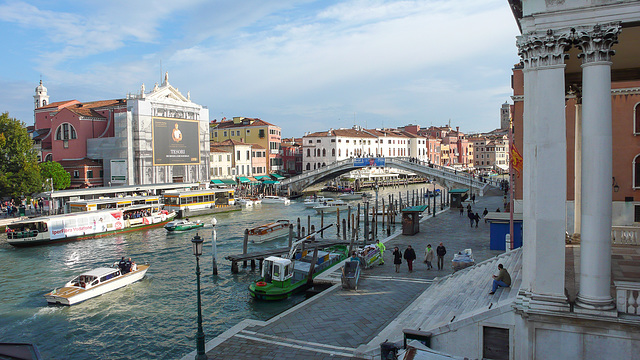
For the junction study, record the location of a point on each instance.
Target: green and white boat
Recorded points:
(183, 225)
(282, 277)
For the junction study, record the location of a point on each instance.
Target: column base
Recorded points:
(527, 301)
(602, 307)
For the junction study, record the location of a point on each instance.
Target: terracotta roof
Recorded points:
(214, 148)
(256, 146)
(59, 104)
(229, 142)
(341, 132)
(245, 123)
(81, 110)
(81, 162)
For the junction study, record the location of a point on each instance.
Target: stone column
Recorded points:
(577, 168)
(597, 154)
(545, 165)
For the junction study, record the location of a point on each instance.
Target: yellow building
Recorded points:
(251, 131)
(445, 152)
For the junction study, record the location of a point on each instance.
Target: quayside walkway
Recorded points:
(351, 324)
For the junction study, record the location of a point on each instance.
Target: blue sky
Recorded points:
(302, 65)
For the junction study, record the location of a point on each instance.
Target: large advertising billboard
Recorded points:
(176, 141)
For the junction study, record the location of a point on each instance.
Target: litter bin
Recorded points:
(411, 219)
(22, 211)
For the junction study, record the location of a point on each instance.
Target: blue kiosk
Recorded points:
(499, 228)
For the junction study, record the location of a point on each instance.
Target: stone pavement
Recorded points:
(346, 324)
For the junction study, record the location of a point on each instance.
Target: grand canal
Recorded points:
(154, 318)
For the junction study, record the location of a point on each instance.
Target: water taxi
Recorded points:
(84, 225)
(311, 202)
(246, 202)
(331, 206)
(269, 199)
(269, 231)
(282, 277)
(183, 225)
(93, 283)
(353, 196)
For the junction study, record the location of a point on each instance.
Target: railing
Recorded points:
(627, 293)
(625, 235)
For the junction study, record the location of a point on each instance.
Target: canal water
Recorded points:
(156, 317)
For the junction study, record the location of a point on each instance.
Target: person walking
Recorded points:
(382, 248)
(484, 214)
(502, 280)
(461, 210)
(441, 251)
(410, 255)
(428, 257)
(471, 217)
(397, 258)
(476, 217)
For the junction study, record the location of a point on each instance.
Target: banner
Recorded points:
(176, 142)
(516, 159)
(361, 162)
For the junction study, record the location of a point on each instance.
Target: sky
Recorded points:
(302, 65)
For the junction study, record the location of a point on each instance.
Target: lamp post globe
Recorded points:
(197, 251)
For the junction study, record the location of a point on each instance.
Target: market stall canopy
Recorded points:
(243, 180)
(277, 177)
(271, 182)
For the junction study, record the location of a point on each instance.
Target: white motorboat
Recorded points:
(256, 200)
(312, 202)
(269, 231)
(93, 283)
(332, 206)
(246, 202)
(353, 196)
(269, 199)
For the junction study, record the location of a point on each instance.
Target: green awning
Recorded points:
(458, 191)
(243, 180)
(255, 183)
(228, 181)
(419, 208)
(262, 177)
(217, 182)
(271, 182)
(277, 177)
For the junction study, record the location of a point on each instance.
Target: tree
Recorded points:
(53, 170)
(19, 171)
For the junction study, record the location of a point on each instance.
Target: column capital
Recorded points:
(596, 41)
(539, 49)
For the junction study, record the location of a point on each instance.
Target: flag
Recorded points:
(516, 159)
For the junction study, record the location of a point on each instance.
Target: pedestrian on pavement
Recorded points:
(397, 258)
(502, 280)
(484, 214)
(461, 210)
(382, 248)
(473, 198)
(410, 255)
(441, 251)
(428, 257)
(472, 218)
(476, 217)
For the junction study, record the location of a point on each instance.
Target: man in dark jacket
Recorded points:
(472, 217)
(121, 265)
(410, 255)
(441, 252)
(502, 280)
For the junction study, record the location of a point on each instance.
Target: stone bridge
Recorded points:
(448, 178)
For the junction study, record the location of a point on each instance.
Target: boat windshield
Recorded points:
(267, 270)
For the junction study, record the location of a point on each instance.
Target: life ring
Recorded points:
(261, 283)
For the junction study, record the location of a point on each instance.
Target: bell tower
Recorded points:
(41, 98)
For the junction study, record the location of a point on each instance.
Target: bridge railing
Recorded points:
(313, 172)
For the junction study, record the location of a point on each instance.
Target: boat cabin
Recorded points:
(94, 278)
(276, 269)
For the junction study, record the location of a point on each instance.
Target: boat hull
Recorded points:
(27, 242)
(183, 227)
(330, 209)
(271, 236)
(72, 295)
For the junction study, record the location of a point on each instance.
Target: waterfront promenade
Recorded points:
(351, 324)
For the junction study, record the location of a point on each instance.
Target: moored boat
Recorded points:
(312, 202)
(246, 202)
(82, 225)
(332, 206)
(269, 199)
(183, 225)
(282, 277)
(353, 196)
(269, 231)
(93, 283)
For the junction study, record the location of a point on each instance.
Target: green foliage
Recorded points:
(53, 170)
(19, 171)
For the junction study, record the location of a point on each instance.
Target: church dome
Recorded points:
(41, 89)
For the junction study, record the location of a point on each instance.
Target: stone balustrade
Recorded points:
(627, 293)
(625, 235)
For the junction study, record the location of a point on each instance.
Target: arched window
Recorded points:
(66, 131)
(308, 166)
(333, 152)
(636, 171)
(318, 165)
(636, 119)
(339, 152)
(308, 152)
(323, 164)
(44, 102)
(324, 152)
(49, 157)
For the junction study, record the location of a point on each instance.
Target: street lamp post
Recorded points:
(214, 249)
(197, 251)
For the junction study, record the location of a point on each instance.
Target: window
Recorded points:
(49, 157)
(308, 152)
(248, 156)
(324, 152)
(636, 171)
(228, 157)
(248, 131)
(261, 133)
(66, 131)
(309, 166)
(333, 140)
(76, 174)
(215, 134)
(101, 173)
(224, 134)
(238, 155)
(318, 140)
(333, 152)
(89, 174)
(636, 215)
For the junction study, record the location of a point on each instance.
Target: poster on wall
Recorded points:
(176, 141)
(118, 171)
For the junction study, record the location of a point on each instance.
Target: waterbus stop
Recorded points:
(457, 196)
